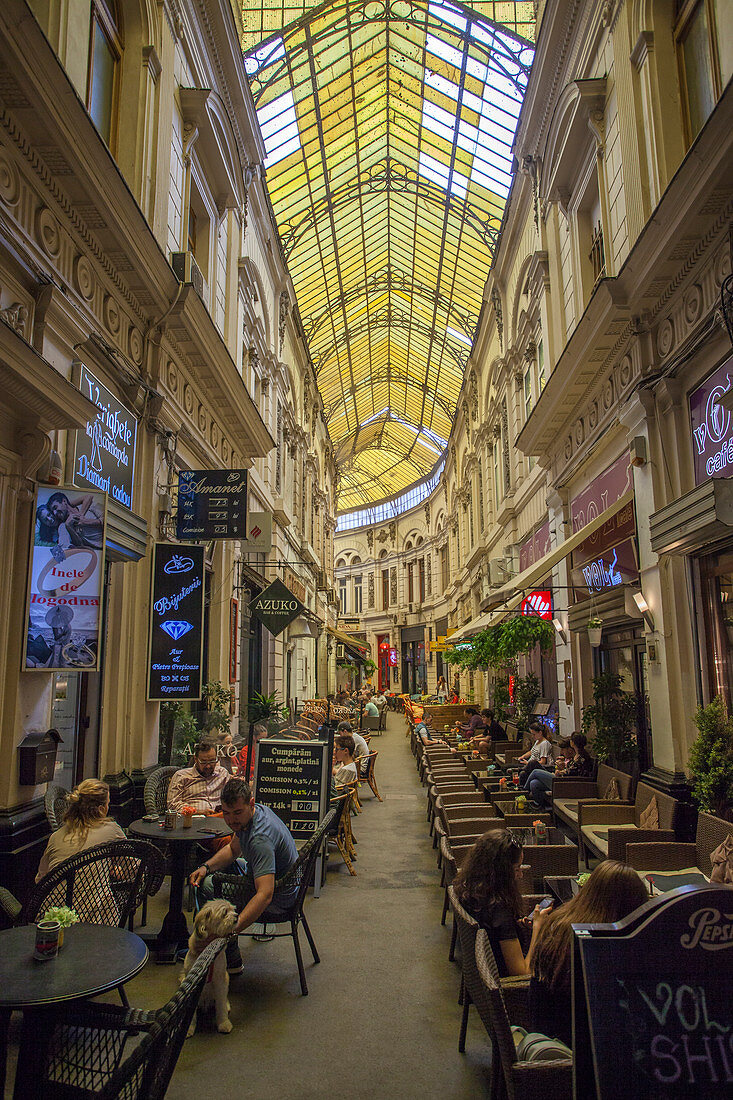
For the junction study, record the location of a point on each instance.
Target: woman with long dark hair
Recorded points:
(487, 886)
(612, 892)
(579, 766)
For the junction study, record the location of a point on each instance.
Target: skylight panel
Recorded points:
(260, 59)
(448, 14)
(459, 335)
(279, 126)
(432, 169)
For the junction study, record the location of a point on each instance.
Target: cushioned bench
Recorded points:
(566, 793)
(656, 856)
(605, 828)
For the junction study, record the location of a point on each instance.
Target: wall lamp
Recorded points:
(560, 630)
(638, 598)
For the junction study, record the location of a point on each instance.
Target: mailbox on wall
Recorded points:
(37, 757)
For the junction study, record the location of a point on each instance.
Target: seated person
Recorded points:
(574, 761)
(201, 785)
(381, 702)
(259, 732)
(370, 707)
(474, 723)
(344, 768)
(612, 892)
(85, 826)
(487, 886)
(539, 755)
(491, 731)
(494, 729)
(425, 734)
(264, 850)
(362, 749)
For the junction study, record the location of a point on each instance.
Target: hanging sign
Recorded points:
(292, 778)
(538, 603)
(66, 580)
(393, 656)
(711, 427)
(233, 634)
(176, 622)
(259, 533)
(276, 607)
(212, 504)
(104, 453)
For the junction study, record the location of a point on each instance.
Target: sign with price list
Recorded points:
(292, 777)
(212, 504)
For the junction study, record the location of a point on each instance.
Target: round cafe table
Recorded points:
(174, 930)
(94, 959)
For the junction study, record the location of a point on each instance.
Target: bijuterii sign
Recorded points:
(66, 580)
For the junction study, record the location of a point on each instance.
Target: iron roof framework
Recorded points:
(388, 129)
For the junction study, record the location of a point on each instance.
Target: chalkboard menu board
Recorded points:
(291, 777)
(212, 504)
(652, 1003)
(176, 622)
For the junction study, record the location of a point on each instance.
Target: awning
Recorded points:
(511, 594)
(480, 622)
(362, 649)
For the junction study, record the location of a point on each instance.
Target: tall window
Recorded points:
(497, 471)
(541, 379)
(705, 55)
(105, 53)
(481, 517)
(421, 579)
(357, 594)
(385, 589)
(528, 391)
(410, 581)
(342, 596)
(444, 567)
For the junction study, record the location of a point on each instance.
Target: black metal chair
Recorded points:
(112, 1053)
(237, 890)
(55, 801)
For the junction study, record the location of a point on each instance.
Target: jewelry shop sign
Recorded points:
(66, 580)
(104, 453)
(212, 504)
(176, 622)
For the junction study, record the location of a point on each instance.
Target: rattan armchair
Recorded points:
(235, 889)
(521, 1080)
(671, 856)
(369, 777)
(55, 801)
(155, 792)
(111, 1053)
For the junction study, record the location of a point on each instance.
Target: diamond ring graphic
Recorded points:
(176, 628)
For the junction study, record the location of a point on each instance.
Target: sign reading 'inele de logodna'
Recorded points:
(276, 607)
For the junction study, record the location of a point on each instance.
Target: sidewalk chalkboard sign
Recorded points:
(176, 622)
(212, 504)
(291, 777)
(652, 1005)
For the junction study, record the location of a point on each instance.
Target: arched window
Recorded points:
(103, 73)
(340, 563)
(382, 554)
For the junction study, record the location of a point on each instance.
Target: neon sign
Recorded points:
(598, 575)
(393, 657)
(711, 428)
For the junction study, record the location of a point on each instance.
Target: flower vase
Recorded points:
(186, 821)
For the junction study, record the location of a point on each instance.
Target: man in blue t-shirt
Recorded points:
(264, 849)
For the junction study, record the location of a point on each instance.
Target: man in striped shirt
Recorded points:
(201, 785)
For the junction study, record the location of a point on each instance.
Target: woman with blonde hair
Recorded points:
(612, 892)
(85, 825)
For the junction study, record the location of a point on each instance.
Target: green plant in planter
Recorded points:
(499, 646)
(711, 760)
(267, 708)
(369, 667)
(610, 721)
(501, 700)
(595, 624)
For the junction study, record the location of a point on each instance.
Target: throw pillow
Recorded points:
(613, 794)
(532, 1046)
(722, 862)
(649, 818)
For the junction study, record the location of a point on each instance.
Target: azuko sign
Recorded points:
(276, 607)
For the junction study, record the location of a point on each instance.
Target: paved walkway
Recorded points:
(382, 1016)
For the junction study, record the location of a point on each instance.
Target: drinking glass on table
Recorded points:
(515, 779)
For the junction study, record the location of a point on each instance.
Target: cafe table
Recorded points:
(94, 959)
(174, 932)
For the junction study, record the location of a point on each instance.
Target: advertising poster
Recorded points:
(66, 580)
(176, 622)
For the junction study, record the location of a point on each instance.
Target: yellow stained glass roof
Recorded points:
(388, 131)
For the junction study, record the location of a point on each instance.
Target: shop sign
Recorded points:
(710, 425)
(393, 656)
(233, 632)
(104, 453)
(535, 547)
(212, 504)
(66, 580)
(296, 586)
(276, 607)
(176, 622)
(605, 490)
(612, 567)
(259, 534)
(292, 778)
(538, 603)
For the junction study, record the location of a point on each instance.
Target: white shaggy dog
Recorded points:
(215, 919)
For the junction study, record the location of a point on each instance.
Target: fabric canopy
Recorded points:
(361, 648)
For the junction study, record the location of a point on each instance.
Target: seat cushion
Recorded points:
(722, 862)
(567, 809)
(597, 836)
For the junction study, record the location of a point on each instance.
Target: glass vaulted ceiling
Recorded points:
(388, 131)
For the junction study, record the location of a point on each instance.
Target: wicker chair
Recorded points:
(55, 801)
(111, 1053)
(237, 890)
(521, 1080)
(671, 856)
(342, 833)
(155, 792)
(368, 776)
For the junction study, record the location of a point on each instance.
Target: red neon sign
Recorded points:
(538, 603)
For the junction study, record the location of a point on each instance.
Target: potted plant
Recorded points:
(711, 760)
(269, 709)
(65, 917)
(595, 628)
(610, 721)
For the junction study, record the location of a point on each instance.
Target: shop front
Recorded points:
(414, 666)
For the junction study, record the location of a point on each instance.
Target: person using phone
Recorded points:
(487, 886)
(612, 892)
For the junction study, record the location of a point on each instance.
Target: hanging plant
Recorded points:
(499, 646)
(595, 629)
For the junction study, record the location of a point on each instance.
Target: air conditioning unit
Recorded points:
(187, 271)
(321, 580)
(498, 572)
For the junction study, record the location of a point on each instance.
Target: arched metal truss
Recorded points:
(388, 126)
